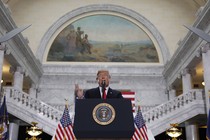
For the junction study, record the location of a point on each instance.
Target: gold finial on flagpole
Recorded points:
(139, 108)
(137, 102)
(137, 105)
(66, 102)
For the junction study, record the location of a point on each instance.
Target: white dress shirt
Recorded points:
(107, 88)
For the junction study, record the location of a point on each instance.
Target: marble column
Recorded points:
(13, 131)
(18, 78)
(32, 91)
(206, 71)
(2, 49)
(192, 132)
(186, 80)
(172, 93)
(187, 86)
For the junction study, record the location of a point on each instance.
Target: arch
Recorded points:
(104, 8)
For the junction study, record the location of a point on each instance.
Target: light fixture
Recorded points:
(203, 83)
(33, 131)
(2, 81)
(174, 132)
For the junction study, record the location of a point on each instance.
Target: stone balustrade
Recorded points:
(38, 106)
(29, 109)
(172, 105)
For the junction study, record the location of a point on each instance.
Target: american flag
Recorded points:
(140, 127)
(64, 130)
(4, 121)
(208, 128)
(131, 96)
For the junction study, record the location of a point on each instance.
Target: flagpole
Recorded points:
(66, 103)
(138, 107)
(1, 96)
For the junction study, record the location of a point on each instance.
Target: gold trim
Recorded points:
(106, 107)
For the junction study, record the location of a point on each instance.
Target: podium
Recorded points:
(103, 119)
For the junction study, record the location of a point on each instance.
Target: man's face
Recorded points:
(103, 76)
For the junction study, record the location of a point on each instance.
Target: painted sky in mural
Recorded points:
(102, 38)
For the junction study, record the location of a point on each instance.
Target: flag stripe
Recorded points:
(144, 133)
(137, 134)
(67, 136)
(71, 132)
(68, 133)
(58, 136)
(58, 133)
(132, 99)
(128, 93)
(61, 130)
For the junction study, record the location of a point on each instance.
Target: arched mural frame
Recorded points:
(103, 8)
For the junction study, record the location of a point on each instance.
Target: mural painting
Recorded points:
(103, 38)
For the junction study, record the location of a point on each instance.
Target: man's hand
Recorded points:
(79, 92)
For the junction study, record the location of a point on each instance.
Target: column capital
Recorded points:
(170, 87)
(20, 69)
(12, 69)
(185, 71)
(16, 69)
(205, 48)
(2, 47)
(179, 75)
(199, 52)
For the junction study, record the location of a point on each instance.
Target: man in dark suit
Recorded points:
(103, 90)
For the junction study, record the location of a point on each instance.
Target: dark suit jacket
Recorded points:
(95, 93)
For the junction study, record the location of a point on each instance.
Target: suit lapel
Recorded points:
(109, 93)
(98, 93)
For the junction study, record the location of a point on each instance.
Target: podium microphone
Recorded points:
(103, 85)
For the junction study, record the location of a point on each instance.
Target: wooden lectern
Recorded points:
(103, 119)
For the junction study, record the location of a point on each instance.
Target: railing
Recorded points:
(38, 106)
(172, 105)
(145, 108)
(62, 106)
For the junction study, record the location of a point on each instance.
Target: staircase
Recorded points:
(158, 119)
(177, 110)
(28, 109)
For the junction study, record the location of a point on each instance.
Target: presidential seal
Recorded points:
(104, 114)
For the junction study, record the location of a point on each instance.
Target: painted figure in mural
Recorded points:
(71, 38)
(79, 34)
(103, 79)
(86, 46)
